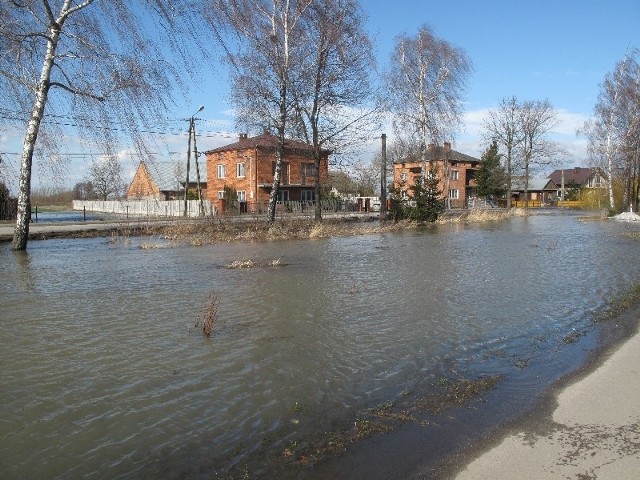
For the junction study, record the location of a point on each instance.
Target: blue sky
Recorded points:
(538, 49)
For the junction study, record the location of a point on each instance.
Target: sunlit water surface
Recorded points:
(103, 374)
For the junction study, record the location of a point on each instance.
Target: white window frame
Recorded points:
(403, 177)
(221, 170)
(241, 196)
(454, 194)
(283, 195)
(240, 170)
(220, 194)
(454, 174)
(308, 195)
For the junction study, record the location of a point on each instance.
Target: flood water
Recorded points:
(103, 374)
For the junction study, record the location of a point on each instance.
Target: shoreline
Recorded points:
(240, 228)
(585, 425)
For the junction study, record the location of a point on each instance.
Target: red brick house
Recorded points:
(248, 165)
(456, 172)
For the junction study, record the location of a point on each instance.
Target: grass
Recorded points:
(209, 316)
(620, 304)
(387, 417)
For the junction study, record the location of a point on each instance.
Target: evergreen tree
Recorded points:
(491, 178)
(428, 198)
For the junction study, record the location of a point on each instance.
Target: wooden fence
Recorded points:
(146, 208)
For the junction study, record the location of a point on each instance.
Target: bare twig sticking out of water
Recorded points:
(210, 315)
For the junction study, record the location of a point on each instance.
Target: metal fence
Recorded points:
(146, 208)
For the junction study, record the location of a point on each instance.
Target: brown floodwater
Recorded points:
(320, 367)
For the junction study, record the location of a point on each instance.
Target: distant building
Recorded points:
(248, 165)
(458, 185)
(578, 178)
(163, 181)
(540, 191)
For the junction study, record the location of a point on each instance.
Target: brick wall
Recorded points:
(251, 171)
(142, 185)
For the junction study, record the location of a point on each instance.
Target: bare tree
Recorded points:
(97, 65)
(106, 177)
(614, 132)
(331, 85)
(268, 35)
(536, 119)
(425, 84)
(502, 125)
(521, 130)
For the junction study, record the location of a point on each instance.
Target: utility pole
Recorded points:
(191, 135)
(383, 178)
(195, 154)
(186, 182)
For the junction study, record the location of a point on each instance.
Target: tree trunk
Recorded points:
(21, 233)
(275, 186)
(318, 207)
(509, 175)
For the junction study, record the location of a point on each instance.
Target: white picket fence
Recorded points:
(146, 208)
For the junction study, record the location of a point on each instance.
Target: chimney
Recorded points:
(243, 136)
(432, 146)
(447, 146)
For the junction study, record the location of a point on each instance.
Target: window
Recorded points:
(307, 195)
(594, 182)
(283, 195)
(403, 177)
(240, 170)
(242, 196)
(284, 173)
(221, 171)
(454, 194)
(308, 170)
(453, 175)
(220, 194)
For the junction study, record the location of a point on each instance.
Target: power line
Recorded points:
(8, 115)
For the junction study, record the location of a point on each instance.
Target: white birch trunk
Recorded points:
(21, 233)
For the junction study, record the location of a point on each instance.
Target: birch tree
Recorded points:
(536, 119)
(105, 67)
(331, 87)
(425, 83)
(502, 126)
(268, 36)
(614, 132)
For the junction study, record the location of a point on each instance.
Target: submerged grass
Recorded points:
(620, 304)
(209, 316)
(388, 417)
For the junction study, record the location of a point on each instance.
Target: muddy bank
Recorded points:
(231, 229)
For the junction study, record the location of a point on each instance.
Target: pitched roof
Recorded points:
(534, 184)
(577, 175)
(266, 140)
(170, 176)
(435, 153)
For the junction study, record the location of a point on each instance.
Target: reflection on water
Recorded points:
(104, 375)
